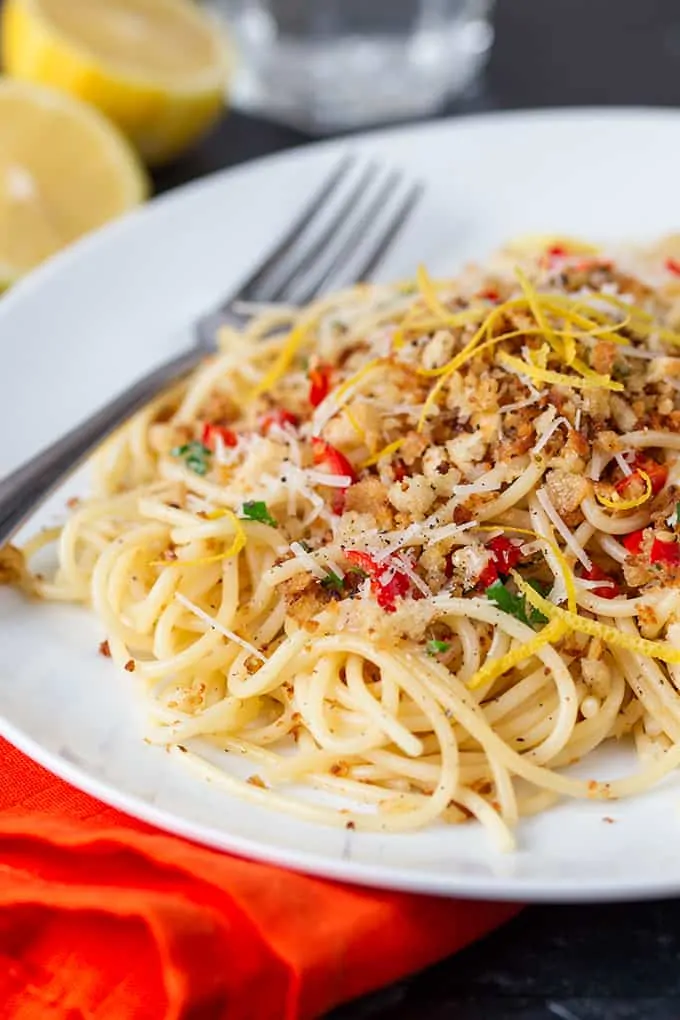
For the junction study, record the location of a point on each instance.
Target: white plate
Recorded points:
(89, 322)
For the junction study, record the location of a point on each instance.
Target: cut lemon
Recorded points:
(157, 68)
(64, 170)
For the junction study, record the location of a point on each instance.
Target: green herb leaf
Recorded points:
(535, 615)
(195, 455)
(677, 513)
(256, 510)
(515, 605)
(334, 581)
(197, 465)
(358, 571)
(435, 647)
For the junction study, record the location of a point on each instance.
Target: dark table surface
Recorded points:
(617, 962)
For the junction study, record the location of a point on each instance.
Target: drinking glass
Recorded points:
(325, 65)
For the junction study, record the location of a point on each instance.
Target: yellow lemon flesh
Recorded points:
(155, 67)
(64, 170)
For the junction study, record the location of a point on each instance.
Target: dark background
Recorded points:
(552, 963)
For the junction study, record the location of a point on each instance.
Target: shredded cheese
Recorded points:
(548, 434)
(300, 553)
(326, 478)
(623, 464)
(216, 625)
(568, 538)
(415, 579)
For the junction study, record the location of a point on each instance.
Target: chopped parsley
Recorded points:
(435, 647)
(256, 510)
(515, 605)
(195, 455)
(677, 513)
(334, 582)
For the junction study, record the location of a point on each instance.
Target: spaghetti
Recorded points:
(417, 546)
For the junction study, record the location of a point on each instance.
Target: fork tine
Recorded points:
(330, 231)
(246, 290)
(359, 231)
(391, 232)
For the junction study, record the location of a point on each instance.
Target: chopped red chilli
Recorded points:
(665, 553)
(633, 543)
(212, 432)
(277, 417)
(319, 384)
(609, 589)
(673, 266)
(335, 463)
(505, 554)
(387, 584)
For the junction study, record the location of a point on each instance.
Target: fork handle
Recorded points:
(30, 484)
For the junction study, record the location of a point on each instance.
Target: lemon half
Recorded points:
(64, 170)
(157, 68)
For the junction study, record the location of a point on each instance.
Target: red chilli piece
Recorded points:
(319, 384)
(386, 592)
(212, 432)
(658, 475)
(632, 543)
(504, 556)
(673, 266)
(666, 553)
(505, 553)
(609, 590)
(399, 469)
(489, 295)
(278, 417)
(585, 265)
(488, 576)
(336, 463)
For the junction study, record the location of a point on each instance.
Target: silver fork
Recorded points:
(359, 222)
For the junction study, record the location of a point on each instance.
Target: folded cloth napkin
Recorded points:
(105, 917)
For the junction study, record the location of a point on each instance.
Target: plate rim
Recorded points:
(378, 875)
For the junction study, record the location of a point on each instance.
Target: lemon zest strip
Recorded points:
(238, 543)
(341, 390)
(629, 504)
(558, 378)
(553, 631)
(284, 359)
(352, 419)
(610, 635)
(429, 294)
(534, 302)
(386, 451)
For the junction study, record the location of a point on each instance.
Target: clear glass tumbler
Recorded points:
(325, 65)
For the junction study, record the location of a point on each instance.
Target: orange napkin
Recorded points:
(104, 917)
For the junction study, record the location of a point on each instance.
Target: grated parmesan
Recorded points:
(569, 539)
(548, 434)
(300, 553)
(623, 464)
(413, 577)
(216, 625)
